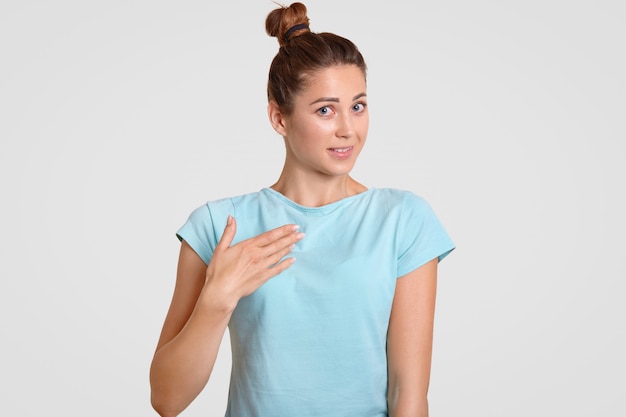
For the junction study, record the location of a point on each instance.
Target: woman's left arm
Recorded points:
(409, 342)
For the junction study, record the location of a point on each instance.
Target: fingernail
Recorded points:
(300, 235)
(295, 227)
(229, 221)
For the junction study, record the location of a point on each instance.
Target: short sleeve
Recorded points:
(421, 235)
(199, 232)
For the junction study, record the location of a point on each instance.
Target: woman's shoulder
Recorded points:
(396, 196)
(213, 213)
(222, 206)
(402, 202)
(230, 201)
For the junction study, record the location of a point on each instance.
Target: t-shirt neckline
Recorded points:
(315, 210)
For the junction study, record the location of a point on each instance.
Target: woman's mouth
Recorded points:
(341, 153)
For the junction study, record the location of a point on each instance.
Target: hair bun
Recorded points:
(285, 23)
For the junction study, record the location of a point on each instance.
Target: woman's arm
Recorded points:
(189, 341)
(409, 342)
(201, 307)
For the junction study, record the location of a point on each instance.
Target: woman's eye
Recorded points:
(359, 107)
(324, 110)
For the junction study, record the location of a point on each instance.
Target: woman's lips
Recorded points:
(341, 153)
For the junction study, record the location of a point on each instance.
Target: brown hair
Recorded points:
(302, 53)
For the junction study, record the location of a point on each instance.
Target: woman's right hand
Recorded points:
(238, 270)
(200, 311)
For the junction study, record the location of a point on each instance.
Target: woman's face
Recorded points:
(328, 126)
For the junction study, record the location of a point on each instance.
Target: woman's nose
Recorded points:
(345, 127)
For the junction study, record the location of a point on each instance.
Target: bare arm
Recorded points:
(202, 304)
(409, 342)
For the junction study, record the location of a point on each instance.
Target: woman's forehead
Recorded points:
(336, 81)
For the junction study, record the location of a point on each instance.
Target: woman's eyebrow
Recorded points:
(335, 99)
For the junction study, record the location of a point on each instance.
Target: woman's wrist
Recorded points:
(216, 301)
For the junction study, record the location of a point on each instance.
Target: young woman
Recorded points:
(337, 322)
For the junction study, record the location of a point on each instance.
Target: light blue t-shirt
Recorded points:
(312, 340)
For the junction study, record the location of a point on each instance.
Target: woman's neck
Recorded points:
(317, 192)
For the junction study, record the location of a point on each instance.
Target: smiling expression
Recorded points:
(327, 128)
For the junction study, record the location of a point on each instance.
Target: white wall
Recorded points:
(118, 118)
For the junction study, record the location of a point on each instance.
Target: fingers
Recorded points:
(264, 239)
(283, 245)
(280, 249)
(229, 234)
(280, 267)
(280, 252)
(275, 234)
(268, 255)
(246, 265)
(266, 249)
(269, 243)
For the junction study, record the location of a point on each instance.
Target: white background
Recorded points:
(118, 118)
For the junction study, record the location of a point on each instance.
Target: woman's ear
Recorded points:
(277, 119)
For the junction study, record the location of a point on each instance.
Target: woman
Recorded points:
(344, 330)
